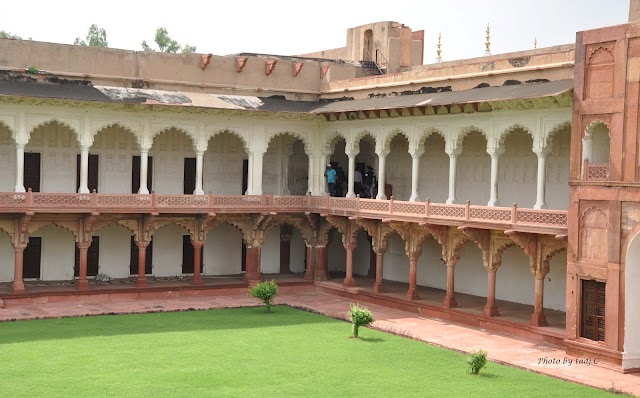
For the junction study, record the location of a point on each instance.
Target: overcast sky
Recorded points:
(296, 27)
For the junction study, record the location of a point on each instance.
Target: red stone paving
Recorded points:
(501, 348)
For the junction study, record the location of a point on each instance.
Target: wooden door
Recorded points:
(31, 174)
(133, 258)
(593, 302)
(31, 259)
(189, 175)
(93, 256)
(135, 174)
(245, 176)
(187, 255)
(92, 178)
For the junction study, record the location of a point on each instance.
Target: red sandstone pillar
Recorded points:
(538, 318)
(412, 293)
(322, 266)
(450, 298)
(18, 283)
(197, 256)
(348, 280)
(252, 273)
(142, 261)
(377, 286)
(491, 309)
(83, 283)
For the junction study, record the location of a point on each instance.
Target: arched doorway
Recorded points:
(367, 45)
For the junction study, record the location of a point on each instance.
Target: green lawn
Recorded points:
(242, 353)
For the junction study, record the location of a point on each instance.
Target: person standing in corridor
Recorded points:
(330, 173)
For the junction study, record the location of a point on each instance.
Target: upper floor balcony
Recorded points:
(504, 218)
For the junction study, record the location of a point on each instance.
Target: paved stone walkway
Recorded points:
(504, 349)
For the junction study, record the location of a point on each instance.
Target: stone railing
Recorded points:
(596, 171)
(541, 221)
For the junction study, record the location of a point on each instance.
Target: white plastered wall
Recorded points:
(297, 256)
(115, 254)
(473, 170)
(169, 150)
(58, 148)
(361, 255)
(432, 271)
(555, 283)
(223, 251)
(270, 253)
(557, 171)
(398, 167)
(7, 160)
(470, 274)
(396, 262)
(223, 165)
(115, 148)
(167, 250)
(7, 258)
(434, 170)
(336, 254)
(631, 354)
(517, 171)
(58, 253)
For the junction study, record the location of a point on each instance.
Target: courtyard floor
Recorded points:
(503, 349)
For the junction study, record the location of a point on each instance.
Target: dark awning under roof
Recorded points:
(85, 91)
(485, 94)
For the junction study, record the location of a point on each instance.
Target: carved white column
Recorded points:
(352, 172)
(453, 156)
(541, 179)
(199, 163)
(84, 169)
(322, 181)
(144, 166)
(495, 155)
(19, 168)
(382, 155)
(415, 170)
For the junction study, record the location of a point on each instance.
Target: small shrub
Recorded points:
(32, 70)
(477, 360)
(360, 316)
(265, 291)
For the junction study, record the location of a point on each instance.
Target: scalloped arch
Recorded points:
(422, 138)
(58, 225)
(119, 126)
(588, 131)
(175, 128)
(331, 139)
(51, 122)
(511, 129)
(6, 126)
(295, 134)
(600, 49)
(557, 128)
(307, 233)
(552, 253)
(164, 223)
(358, 137)
(245, 143)
(462, 133)
(394, 133)
(111, 224)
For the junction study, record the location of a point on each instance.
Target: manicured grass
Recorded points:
(242, 353)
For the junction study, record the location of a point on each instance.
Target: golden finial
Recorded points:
(487, 45)
(535, 42)
(439, 58)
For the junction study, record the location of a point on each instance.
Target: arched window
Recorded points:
(595, 152)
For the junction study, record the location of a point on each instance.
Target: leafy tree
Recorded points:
(360, 316)
(166, 44)
(96, 37)
(265, 291)
(6, 35)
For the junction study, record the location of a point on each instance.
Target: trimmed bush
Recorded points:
(476, 361)
(360, 316)
(265, 291)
